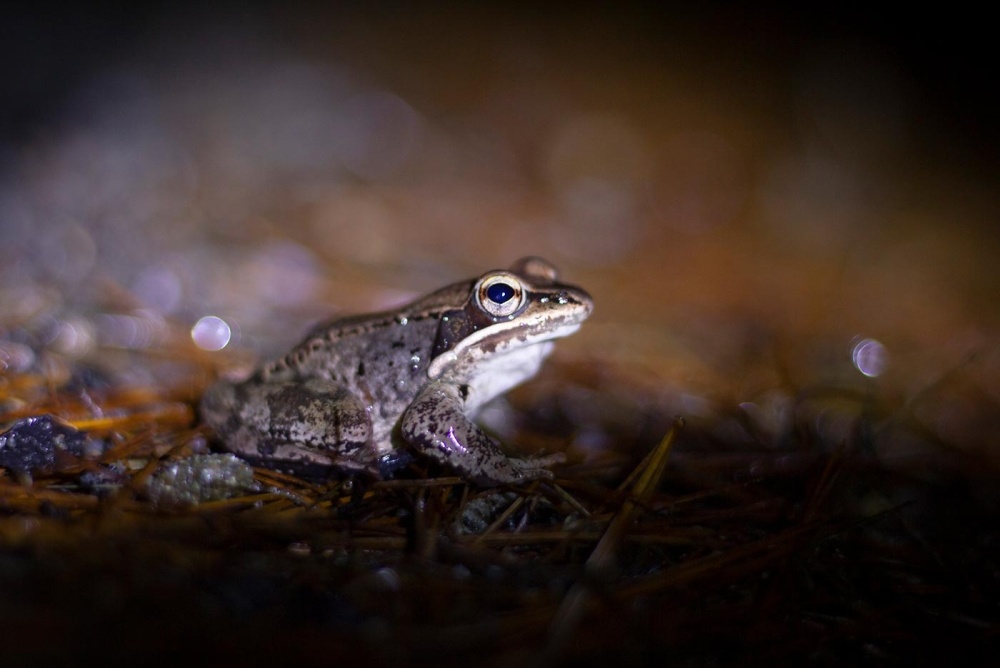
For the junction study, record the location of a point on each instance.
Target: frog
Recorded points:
(367, 394)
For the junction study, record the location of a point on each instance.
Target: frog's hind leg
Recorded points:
(301, 425)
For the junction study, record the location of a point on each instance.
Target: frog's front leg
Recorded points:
(307, 426)
(436, 425)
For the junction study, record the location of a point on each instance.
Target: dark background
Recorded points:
(50, 48)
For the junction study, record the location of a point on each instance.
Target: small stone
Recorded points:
(32, 444)
(200, 479)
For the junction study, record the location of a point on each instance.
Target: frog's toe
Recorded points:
(537, 474)
(514, 471)
(547, 460)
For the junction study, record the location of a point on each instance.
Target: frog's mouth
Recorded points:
(505, 338)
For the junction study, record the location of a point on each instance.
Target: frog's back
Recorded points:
(383, 362)
(380, 345)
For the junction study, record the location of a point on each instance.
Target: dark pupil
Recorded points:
(499, 292)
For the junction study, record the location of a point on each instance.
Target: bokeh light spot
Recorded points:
(211, 333)
(869, 357)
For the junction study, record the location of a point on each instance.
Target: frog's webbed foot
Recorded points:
(312, 424)
(435, 425)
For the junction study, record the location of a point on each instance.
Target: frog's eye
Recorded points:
(499, 292)
(500, 295)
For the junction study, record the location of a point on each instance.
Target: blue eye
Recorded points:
(500, 295)
(499, 292)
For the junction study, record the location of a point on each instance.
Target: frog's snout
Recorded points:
(577, 299)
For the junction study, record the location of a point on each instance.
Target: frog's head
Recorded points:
(508, 320)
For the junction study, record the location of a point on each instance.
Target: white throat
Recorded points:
(498, 373)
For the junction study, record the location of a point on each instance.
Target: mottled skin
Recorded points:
(357, 390)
